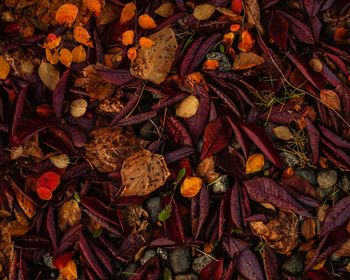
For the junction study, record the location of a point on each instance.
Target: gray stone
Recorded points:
(308, 175)
(48, 261)
(153, 208)
(221, 184)
(186, 277)
(201, 262)
(345, 183)
(327, 178)
(180, 260)
(147, 256)
(289, 158)
(294, 265)
(162, 253)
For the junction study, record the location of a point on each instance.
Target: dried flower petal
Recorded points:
(255, 163)
(146, 22)
(128, 12)
(146, 42)
(191, 186)
(128, 37)
(44, 193)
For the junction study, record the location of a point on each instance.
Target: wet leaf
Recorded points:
(68, 272)
(203, 11)
(252, 11)
(49, 180)
(49, 75)
(254, 163)
(69, 214)
(59, 93)
(148, 64)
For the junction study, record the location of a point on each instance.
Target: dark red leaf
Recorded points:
(19, 106)
(69, 238)
(58, 94)
(213, 270)
(178, 154)
(270, 264)
(167, 101)
(103, 257)
(248, 265)
(203, 209)
(241, 138)
(130, 245)
(132, 101)
(150, 270)
(235, 205)
(262, 189)
(278, 30)
(138, 118)
(117, 77)
(230, 104)
(230, 270)
(51, 227)
(177, 132)
(308, 4)
(59, 140)
(314, 137)
(334, 138)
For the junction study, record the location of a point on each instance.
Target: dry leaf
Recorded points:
(166, 9)
(203, 11)
(146, 42)
(4, 68)
(52, 41)
(78, 107)
(247, 60)
(330, 99)
(191, 186)
(154, 63)
(246, 42)
(52, 56)
(68, 272)
(78, 54)
(254, 163)
(60, 161)
(6, 249)
(146, 22)
(20, 226)
(94, 6)
(31, 147)
(66, 57)
(188, 107)
(128, 12)
(66, 14)
(81, 35)
(308, 228)
(283, 133)
(108, 14)
(206, 170)
(143, 173)
(110, 146)
(252, 11)
(135, 217)
(49, 75)
(69, 214)
(128, 37)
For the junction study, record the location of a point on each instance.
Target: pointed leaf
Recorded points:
(49, 75)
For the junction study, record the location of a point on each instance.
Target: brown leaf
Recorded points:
(203, 11)
(69, 214)
(135, 217)
(143, 173)
(330, 99)
(252, 11)
(283, 133)
(166, 9)
(110, 146)
(247, 60)
(154, 63)
(49, 75)
(308, 228)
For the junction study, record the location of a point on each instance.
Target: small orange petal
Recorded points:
(147, 22)
(234, 27)
(247, 42)
(128, 37)
(191, 186)
(128, 12)
(66, 14)
(146, 43)
(132, 53)
(211, 64)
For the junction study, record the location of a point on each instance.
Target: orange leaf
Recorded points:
(81, 35)
(330, 99)
(78, 54)
(132, 53)
(52, 41)
(66, 14)
(145, 42)
(247, 42)
(94, 6)
(254, 163)
(128, 12)
(49, 180)
(235, 27)
(128, 37)
(66, 57)
(340, 34)
(44, 193)
(62, 260)
(247, 60)
(211, 64)
(191, 186)
(52, 55)
(4, 68)
(228, 38)
(147, 22)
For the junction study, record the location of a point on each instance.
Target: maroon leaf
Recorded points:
(70, 237)
(248, 265)
(314, 137)
(270, 264)
(174, 226)
(103, 257)
(17, 115)
(58, 94)
(138, 118)
(178, 154)
(241, 138)
(130, 245)
(213, 270)
(117, 77)
(51, 227)
(337, 216)
(232, 106)
(177, 132)
(260, 139)
(203, 209)
(235, 205)
(150, 270)
(334, 138)
(262, 189)
(337, 153)
(278, 30)
(234, 246)
(216, 137)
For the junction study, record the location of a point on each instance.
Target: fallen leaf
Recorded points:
(308, 228)
(49, 180)
(81, 35)
(166, 9)
(254, 163)
(146, 42)
(148, 64)
(191, 186)
(60, 161)
(330, 99)
(128, 37)
(66, 57)
(78, 54)
(44, 193)
(252, 11)
(52, 41)
(49, 75)
(128, 12)
(203, 11)
(78, 107)
(143, 172)
(20, 226)
(4, 68)
(283, 133)
(132, 54)
(68, 272)
(52, 56)
(66, 14)
(246, 42)
(94, 6)
(247, 60)
(146, 22)
(69, 214)
(188, 107)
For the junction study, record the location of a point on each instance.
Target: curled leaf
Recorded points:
(330, 99)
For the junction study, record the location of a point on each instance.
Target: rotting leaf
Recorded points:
(154, 63)
(69, 214)
(49, 75)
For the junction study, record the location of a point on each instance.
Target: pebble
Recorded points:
(221, 184)
(308, 175)
(327, 178)
(162, 253)
(294, 265)
(201, 262)
(147, 256)
(186, 277)
(180, 260)
(153, 208)
(345, 183)
(289, 159)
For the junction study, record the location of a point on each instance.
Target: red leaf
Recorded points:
(236, 6)
(270, 264)
(203, 209)
(314, 137)
(49, 180)
(216, 137)
(278, 30)
(58, 94)
(177, 132)
(241, 138)
(17, 115)
(213, 270)
(262, 189)
(51, 228)
(235, 205)
(61, 260)
(115, 76)
(228, 101)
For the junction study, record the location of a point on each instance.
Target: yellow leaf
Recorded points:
(78, 54)
(166, 9)
(4, 68)
(147, 22)
(145, 42)
(66, 14)
(330, 99)
(69, 214)
(149, 64)
(81, 35)
(188, 107)
(60, 161)
(203, 12)
(52, 56)
(246, 42)
(128, 12)
(94, 6)
(191, 186)
(283, 133)
(128, 37)
(49, 75)
(78, 107)
(66, 57)
(254, 163)
(68, 272)
(247, 60)
(52, 41)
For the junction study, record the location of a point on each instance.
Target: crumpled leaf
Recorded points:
(247, 60)
(49, 75)
(254, 163)
(149, 64)
(69, 214)
(110, 146)
(4, 68)
(330, 99)
(143, 172)
(203, 11)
